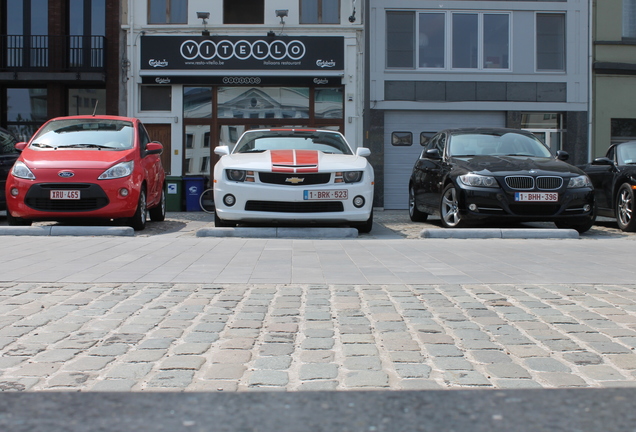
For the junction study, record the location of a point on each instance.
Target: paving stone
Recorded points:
(406, 357)
(183, 362)
(88, 363)
(171, 379)
(624, 361)
(406, 370)
(318, 371)
(268, 378)
(317, 343)
(70, 379)
(377, 379)
(129, 371)
(601, 373)
(273, 363)
(318, 385)
(363, 363)
(490, 356)
(468, 378)
(114, 385)
(561, 379)
(507, 370)
(229, 356)
(419, 384)
(144, 355)
(191, 348)
(545, 364)
(359, 350)
(224, 371)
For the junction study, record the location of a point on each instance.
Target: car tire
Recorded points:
(365, 227)
(158, 213)
(625, 207)
(16, 221)
(449, 208)
(220, 223)
(138, 221)
(414, 213)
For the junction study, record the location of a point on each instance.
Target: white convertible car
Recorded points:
(293, 175)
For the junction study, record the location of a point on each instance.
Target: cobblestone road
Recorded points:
(198, 337)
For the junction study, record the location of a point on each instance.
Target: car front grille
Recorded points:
(294, 179)
(294, 207)
(92, 197)
(530, 183)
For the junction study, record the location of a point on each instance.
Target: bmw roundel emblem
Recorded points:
(66, 174)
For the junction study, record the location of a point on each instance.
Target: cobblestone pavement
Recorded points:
(201, 337)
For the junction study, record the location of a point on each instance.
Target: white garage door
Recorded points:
(399, 160)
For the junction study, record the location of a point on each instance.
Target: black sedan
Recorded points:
(614, 179)
(507, 174)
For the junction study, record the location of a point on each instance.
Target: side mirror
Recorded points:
(363, 152)
(154, 147)
(432, 154)
(222, 150)
(562, 155)
(602, 161)
(20, 146)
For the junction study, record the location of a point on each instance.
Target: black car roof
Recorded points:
(486, 131)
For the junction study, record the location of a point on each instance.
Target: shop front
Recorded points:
(219, 87)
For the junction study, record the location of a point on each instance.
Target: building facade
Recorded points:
(57, 57)
(445, 64)
(200, 72)
(614, 74)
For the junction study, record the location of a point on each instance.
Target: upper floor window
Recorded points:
(629, 19)
(167, 11)
(460, 40)
(27, 17)
(550, 42)
(243, 12)
(320, 11)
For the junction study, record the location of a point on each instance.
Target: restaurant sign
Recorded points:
(162, 53)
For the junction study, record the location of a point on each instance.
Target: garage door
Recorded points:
(399, 160)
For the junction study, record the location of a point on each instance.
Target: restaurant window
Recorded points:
(329, 103)
(551, 42)
(167, 11)
(319, 11)
(263, 102)
(197, 102)
(156, 98)
(243, 12)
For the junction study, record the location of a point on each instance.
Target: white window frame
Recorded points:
(448, 49)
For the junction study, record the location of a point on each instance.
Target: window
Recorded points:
(487, 48)
(26, 29)
(400, 37)
(445, 40)
(551, 42)
(432, 40)
(87, 28)
(26, 111)
(167, 11)
(86, 101)
(402, 139)
(243, 12)
(156, 98)
(329, 103)
(629, 19)
(320, 11)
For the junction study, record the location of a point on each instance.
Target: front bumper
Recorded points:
(256, 202)
(482, 203)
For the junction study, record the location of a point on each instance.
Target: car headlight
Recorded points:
(20, 170)
(581, 181)
(236, 175)
(352, 176)
(476, 180)
(120, 170)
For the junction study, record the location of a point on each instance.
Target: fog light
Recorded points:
(587, 207)
(14, 192)
(123, 192)
(358, 201)
(229, 200)
(472, 207)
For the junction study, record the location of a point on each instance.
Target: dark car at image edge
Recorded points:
(8, 156)
(498, 174)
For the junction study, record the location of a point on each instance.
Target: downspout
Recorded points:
(590, 97)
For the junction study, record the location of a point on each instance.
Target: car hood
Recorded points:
(293, 161)
(74, 159)
(511, 165)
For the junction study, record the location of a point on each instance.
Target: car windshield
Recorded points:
(626, 153)
(326, 142)
(100, 134)
(497, 144)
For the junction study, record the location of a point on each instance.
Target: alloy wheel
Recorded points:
(450, 208)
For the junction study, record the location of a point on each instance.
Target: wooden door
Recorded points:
(162, 133)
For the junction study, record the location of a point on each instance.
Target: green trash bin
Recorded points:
(174, 194)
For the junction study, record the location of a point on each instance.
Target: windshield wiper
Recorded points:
(98, 146)
(253, 151)
(42, 145)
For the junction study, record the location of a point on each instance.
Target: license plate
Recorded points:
(325, 195)
(65, 194)
(536, 197)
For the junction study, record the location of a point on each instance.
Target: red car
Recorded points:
(102, 167)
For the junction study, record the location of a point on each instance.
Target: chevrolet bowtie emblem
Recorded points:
(294, 180)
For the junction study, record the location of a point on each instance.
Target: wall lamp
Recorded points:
(204, 16)
(282, 13)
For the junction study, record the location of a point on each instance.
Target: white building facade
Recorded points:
(200, 72)
(445, 64)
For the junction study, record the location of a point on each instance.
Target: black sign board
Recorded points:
(242, 53)
(287, 81)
